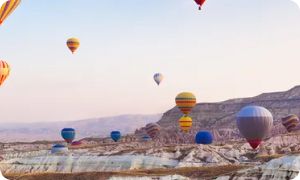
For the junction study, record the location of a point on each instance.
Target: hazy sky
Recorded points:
(230, 49)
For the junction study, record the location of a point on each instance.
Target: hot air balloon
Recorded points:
(290, 122)
(7, 8)
(115, 135)
(152, 129)
(76, 143)
(4, 71)
(200, 3)
(68, 134)
(204, 137)
(185, 123)
(145, 138)
(158, 78)
(73, 44)
(185, 102)
(59, 148)
(254, 123)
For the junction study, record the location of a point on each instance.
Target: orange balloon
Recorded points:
(4, 71)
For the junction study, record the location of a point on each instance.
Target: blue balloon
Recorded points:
(59, 148)
(68, 134)
(115, 135)
(204, 137)
(145, 138)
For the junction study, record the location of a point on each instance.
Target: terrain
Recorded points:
(96, 159)
(220, 118)
(173, 154)
(28, 132)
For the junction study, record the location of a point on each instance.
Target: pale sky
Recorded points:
(230, 49)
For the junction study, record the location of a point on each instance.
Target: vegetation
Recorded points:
(267, 158)
(191, 172)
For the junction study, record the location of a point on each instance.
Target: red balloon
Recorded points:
(200, 2)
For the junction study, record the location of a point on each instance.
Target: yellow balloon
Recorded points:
(7, 8)
(73, 44)
(4, 71)
(185, 123)
(185, 102)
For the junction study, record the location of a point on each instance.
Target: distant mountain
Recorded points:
(220, 118)
(26, 132)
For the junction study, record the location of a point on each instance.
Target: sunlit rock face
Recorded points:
(284, 168)
(220, 118)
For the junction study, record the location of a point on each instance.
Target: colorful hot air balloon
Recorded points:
(76, 143)
(7, 8)
(115, 135)
(4, 71)
(73, 44)
(254, 123)
(200, 3)
(185, 102)
(59, 148)
(185, 123)
(290, 122)
(68, 134)
(204, 137)
(158, 78)
(152, 129)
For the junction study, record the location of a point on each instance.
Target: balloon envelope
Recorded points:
(68, 134)
(254, 123)
(59, 148)
(204, 137)
(185, 123)
(7, 8)
(4, 71)
(185, 102)
(145, 138)
(200, 2)
(115, 135)
(290, 122)
(73, 44)
(152, 129)
(158, 78)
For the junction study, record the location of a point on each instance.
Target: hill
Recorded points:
(25, 132)
(220, 117)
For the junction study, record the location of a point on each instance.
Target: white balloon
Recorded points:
(297, 2)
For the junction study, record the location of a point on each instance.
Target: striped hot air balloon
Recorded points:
(290, 122)
(68, 134)
(152, 129)
(185, 102)
(158, 78)
(73, 44)
(115, 135)
(4, 71)
(254, 123)
(7, 8)
(185, 123)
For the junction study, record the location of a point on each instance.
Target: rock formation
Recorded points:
(220, 118)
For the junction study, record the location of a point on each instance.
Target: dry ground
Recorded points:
(192, 172)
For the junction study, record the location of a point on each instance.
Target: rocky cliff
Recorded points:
(220, 118)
